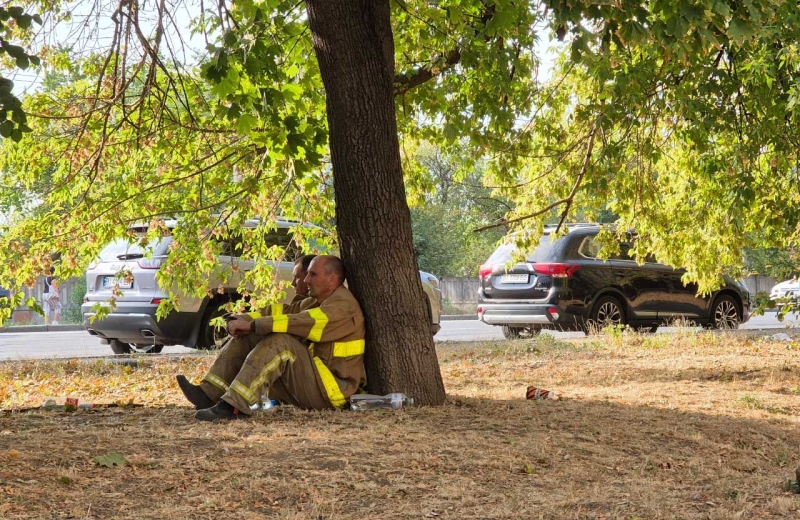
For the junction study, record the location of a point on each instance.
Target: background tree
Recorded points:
(453, 202)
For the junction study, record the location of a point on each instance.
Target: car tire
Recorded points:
(119, 347)
(510, 332)
(647, 329)
(607, 311)
(724, 313)
(148, 349)
(208, 338)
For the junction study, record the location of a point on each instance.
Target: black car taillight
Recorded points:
(556, 270)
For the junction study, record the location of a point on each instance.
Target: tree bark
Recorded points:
(355, 49)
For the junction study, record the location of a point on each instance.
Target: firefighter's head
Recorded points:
(325, 275)
(299, 273)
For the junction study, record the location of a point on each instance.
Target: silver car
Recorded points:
(132, 326)
(785, 292)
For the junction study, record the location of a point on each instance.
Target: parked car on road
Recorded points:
(563, 285)
(786, 292)
(132, 326)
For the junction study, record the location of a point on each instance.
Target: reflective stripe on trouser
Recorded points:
(281, 366)
(227, 365)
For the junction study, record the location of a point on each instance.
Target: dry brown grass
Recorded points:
(651, 427)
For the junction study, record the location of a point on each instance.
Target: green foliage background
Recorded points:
(680, 118)
(71, 309)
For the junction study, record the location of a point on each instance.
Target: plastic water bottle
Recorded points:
(364, 402)
(265, 404)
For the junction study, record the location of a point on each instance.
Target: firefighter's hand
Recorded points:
(239, 328)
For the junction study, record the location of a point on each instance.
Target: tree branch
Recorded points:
(568, 200)
(584, 167)
(405, 82)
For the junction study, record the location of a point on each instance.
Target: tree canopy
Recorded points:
(680, 117)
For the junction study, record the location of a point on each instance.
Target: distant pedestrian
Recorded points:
(51, 299)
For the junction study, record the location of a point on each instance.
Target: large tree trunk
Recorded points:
(355, 48)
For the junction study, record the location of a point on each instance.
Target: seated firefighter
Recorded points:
(299, 273)
(309, 353)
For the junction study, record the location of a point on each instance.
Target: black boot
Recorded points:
(194, 393)
(222, 411)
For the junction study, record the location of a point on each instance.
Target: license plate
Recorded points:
(514, 278)
(111, 281)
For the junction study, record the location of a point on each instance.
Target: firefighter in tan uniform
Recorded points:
(310, 356)
(228, 356)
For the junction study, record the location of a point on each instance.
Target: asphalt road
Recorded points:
(60, 344)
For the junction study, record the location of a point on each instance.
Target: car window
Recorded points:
(624, 252)
(231, 246)
(121, 249)
(540, 253)
(281, 237)
(589, 248)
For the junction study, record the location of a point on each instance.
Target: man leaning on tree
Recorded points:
(311, 356)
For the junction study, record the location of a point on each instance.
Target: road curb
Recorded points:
(41, 328)
(455, 317)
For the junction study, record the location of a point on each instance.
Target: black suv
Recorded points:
(564, 286)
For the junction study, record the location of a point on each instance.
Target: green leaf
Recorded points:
(633, 33)
(6, 127)
(24, 21)
(111, 459)
(23, 62)
(245, 123)
(501, 20)
(739, 30)
(677, 26)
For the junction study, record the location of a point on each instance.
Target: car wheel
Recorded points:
(148, 349)
(607, 311)
(519, 332)
(210, 337)
(511, 332)
(724, 313)
(647, 329)
(118, 347)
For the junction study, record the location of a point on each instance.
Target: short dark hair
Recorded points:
(336, 266)
(305, 261)
(332, 265)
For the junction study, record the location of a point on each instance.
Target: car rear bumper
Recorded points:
(537, 315)
(137, 323)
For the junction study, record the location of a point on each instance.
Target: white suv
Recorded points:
(133, 327)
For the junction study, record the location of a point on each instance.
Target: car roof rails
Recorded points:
(549, 228)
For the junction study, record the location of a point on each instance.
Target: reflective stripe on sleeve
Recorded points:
(348, 348)
(331, 386)
(216, 381)
(254, 315)
(276, 309)
(320, 320)
(280, 323)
